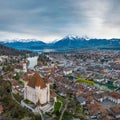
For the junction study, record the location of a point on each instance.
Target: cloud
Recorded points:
(49, 20)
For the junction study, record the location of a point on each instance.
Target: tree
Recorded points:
(17, 77)
(10, 68)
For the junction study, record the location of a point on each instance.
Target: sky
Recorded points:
(50, 20)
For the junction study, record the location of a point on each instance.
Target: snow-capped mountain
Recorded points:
(25, 45)
(74, 37)
(70, 41)
(19, 40)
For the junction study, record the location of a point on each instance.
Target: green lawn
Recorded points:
(28, 102)
(60, 99)
(57, 106)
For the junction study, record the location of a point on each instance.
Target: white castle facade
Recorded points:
(36, 89)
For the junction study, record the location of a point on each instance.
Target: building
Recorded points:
(21, 67)
(115, 110)
(36, 89)
(24, 66)
(67, 71)
(81, 100)
(112, 96)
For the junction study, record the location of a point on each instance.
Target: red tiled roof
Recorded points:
(115, 95)
(36, 81)
(115, 109)
(95, 108)
(108, 118)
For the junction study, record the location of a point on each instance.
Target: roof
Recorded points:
(1, 108)
(115, 95)
(108, 118)
(36, 81)
(24, 62)
(47, 80)
(96, 108)
(26, 78)
(115, 109)
(18, 66)
(81, 99)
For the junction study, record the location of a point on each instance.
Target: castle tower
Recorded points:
(24, 66)
(48, 89)
(26, 80)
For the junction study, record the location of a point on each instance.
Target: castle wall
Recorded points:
(35, 94)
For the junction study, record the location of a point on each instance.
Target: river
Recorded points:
(32, 62)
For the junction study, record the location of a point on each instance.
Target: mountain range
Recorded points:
(68, 42)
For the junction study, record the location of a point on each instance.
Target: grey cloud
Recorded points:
(56, 16)
(112, 17)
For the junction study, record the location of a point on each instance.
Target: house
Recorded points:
(96, 111)
(112, 96)
(67, 71)
(21, 67)
(18, 68)
(101, 96)
(81, 100)
(36, 89)
(116, 112)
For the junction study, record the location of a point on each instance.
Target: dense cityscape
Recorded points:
(59, 59)
(59, 86)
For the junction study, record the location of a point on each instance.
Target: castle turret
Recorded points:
(48, 89)
(24, 66)
(26, 80)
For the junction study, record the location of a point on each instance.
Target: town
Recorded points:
(82, 85)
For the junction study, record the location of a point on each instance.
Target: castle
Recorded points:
(36, 89)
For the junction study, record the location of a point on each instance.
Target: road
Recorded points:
(41, 114)
(15, 99)
(61, 116)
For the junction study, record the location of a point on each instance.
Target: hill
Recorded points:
(4, 50)
(29, 45)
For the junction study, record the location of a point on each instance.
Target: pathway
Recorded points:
(61, 116)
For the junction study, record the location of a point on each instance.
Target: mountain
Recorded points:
(22, 45)
(77, 43)
(69, 42)
(4, 50)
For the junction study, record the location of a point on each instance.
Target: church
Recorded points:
(36, 89)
